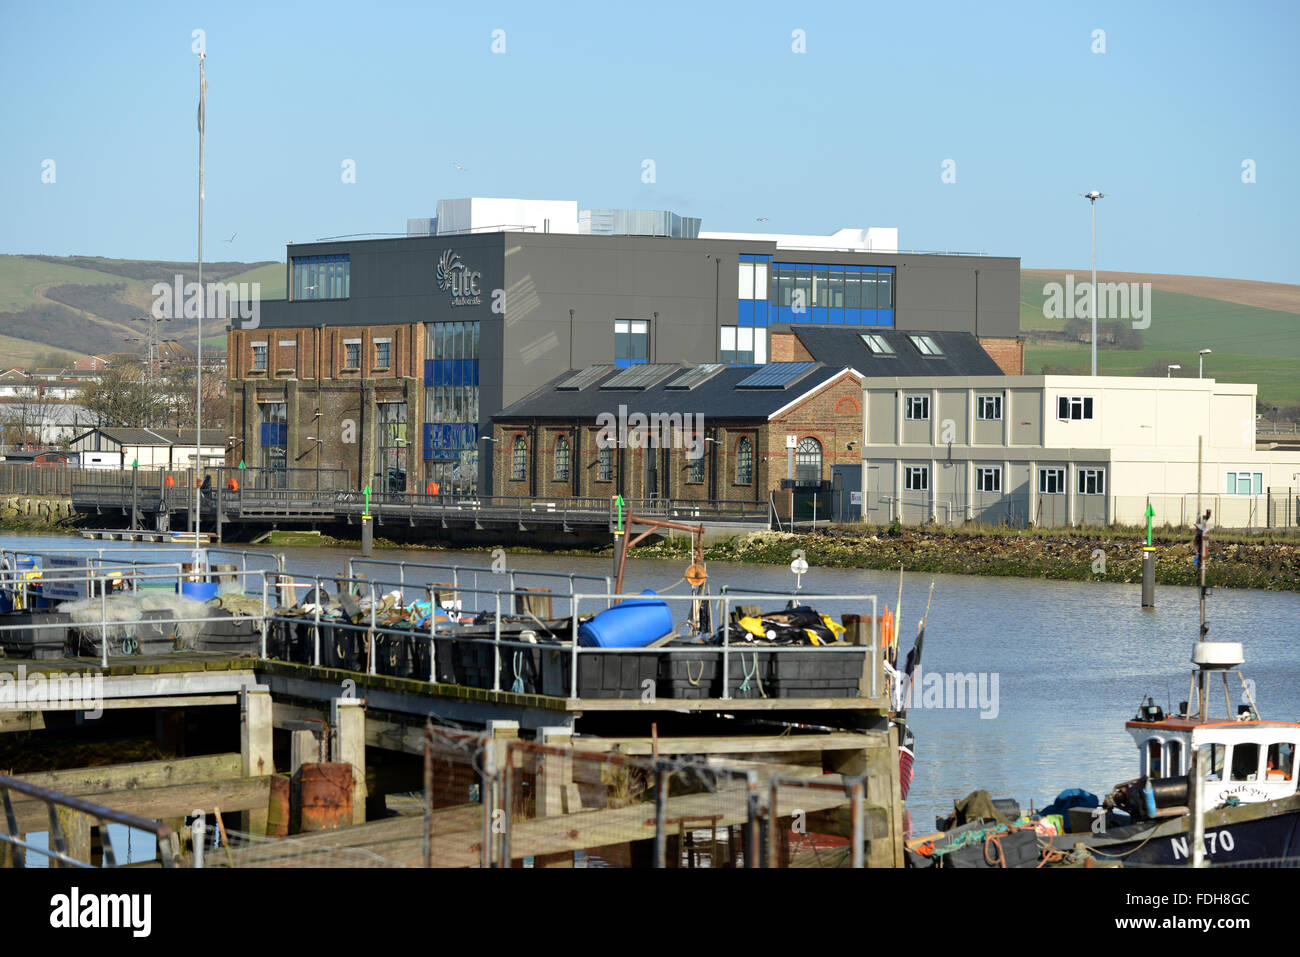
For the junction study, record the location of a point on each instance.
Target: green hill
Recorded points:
(76, 305)
(1252, 328)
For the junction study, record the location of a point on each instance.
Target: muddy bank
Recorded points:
(1235, 562)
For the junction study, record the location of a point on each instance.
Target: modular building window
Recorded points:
(1074, 407)
(1245, 483)
(1051, 481)
(917, 408)
(1092, 481)
(988, 407)
(274, 438)
(631, 342)
(916, 478)
(988, 479)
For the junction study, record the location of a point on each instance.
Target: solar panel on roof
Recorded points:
(777, 375)
(697, 376)
(583, 378)
(640, 377)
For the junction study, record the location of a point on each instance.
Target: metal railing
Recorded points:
(59, 856)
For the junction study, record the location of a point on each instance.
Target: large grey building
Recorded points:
(419, 341)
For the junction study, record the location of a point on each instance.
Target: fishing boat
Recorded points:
(1219, 776)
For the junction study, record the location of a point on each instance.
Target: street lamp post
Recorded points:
(1092, 197)
(198, 353)
(1200, 372)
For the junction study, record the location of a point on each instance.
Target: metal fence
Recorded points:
(1275, 508)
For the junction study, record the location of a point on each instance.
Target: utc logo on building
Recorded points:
(458, 279)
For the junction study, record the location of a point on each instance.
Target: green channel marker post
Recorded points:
(367, 525)
(1149, 565)
(620, 539)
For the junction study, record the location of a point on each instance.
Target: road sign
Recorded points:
(792, 441)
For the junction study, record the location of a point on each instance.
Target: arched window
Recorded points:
(808, 461)
(744, 461)
(562, 459)
(1173, 758)
(519, 460)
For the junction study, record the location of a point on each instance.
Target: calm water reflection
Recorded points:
(1072, 661)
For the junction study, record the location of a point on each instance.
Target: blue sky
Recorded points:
(853, 132)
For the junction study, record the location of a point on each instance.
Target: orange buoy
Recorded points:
(432, 488)
(232, 485)
(169, 482)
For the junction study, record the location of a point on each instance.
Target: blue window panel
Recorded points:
(853, 317)
(762, 308)
(428, 371)
(745, 312)
(885, 317)
(623, 363)
(836, 316)
(275, 434)
(473, 371)
(819, 316)
(428, 441)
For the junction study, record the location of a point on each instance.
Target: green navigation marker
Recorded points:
(1150, 513)
(366, 491)
(618, 503)
(242, 465)
(135, 463)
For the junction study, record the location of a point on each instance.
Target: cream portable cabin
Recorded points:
(1242, 756)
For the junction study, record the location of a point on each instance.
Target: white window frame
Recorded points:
(981, 405)
(1236, 475)
(911, 473)
(1098, 475)
(1057, 472)
(265, 356)
(1085, 405)
(983, 473)
(909, 404)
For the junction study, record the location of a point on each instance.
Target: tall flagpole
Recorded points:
(198, 353)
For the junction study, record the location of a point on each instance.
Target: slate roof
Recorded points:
(962, 353)
(717, 396)
(212, 438)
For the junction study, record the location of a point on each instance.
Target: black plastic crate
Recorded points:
(230, 633)
(473, 662)
(38, 644)
(690, 672)
(445, 672)
(750, 672)
(817, 673)
(395, 654)
(343, 645)
(614, 674)
(290, 639)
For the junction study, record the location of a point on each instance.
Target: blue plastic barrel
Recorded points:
(201, 591)
(633, 624)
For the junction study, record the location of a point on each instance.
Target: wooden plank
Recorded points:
(21, 721)
(238, 794)
(736, 744)
(85, 782)
(730, 704)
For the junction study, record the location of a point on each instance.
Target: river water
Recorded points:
(1062, 665)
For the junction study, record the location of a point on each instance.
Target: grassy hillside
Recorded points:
(82, 304)
(1253, 328)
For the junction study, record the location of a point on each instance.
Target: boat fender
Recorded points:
(1149, 799)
